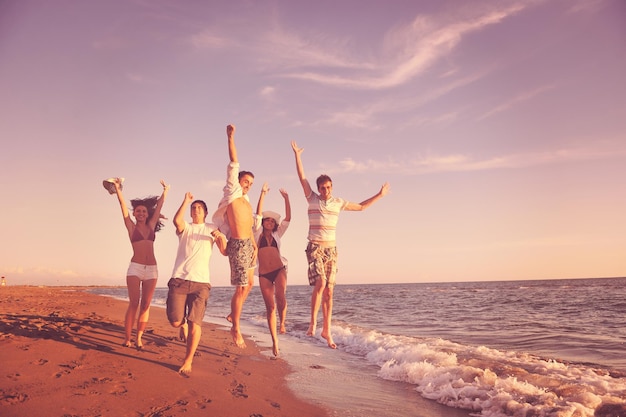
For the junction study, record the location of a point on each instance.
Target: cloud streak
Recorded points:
(413, 49)
(516, 100)
(466, 163)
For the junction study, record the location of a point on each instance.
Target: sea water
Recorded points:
(510, 348)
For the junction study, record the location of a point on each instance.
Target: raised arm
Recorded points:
(232, 150)
(283, 192)
(257, 225)
(120, 197)
(179, 217)
(300, 169)
(259, 206)
(157, 211)
(366, 203)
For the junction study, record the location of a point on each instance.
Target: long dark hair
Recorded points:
(150, 204)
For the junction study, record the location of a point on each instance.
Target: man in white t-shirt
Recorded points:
(321, 250)
(190, 284)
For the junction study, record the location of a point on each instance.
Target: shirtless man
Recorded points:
(234, 214)
(321, 250)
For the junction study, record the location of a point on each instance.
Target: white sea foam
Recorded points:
(486, 381)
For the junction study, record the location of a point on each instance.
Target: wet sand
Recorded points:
(62, 355)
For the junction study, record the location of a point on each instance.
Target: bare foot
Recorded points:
(329, 339)
(237, 338)
(184, 330)
(282, 329)
(311, 330)
(185, 369)
(229, 318)
(275, 350)
(127, 344)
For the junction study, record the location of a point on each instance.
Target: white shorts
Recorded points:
(143, 272)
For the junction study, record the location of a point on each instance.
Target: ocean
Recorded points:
(509, 348)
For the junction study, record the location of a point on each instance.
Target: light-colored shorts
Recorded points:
(187, 299)
(143, 272)
(240, 253)
(322, 263)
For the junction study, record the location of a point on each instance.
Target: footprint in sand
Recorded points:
(62, 373)
(119, 390)
(202, 404)
(11, 398)
(238, 390)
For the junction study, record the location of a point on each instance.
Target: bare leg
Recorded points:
(281, 299)
(247, 290)
(148, 287)
(195, 331)
(184, 332)
(327, 311)
(267, 290)
(236, 305)
(316, 298)
(132, 283)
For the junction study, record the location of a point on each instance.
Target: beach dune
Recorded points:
(62, 355)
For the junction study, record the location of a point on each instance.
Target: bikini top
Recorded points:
(137, 236)
(263, 242)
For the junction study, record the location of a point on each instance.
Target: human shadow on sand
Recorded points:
(90, 333)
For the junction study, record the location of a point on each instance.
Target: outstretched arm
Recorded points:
(366, 203)
(287, 205)
(232, 150)
(179, 217)
(305, 183)
(157, 211)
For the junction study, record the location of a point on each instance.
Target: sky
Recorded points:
(500, 126)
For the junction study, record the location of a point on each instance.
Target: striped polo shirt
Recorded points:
(323, 217)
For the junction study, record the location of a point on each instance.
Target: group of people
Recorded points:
(250, 240)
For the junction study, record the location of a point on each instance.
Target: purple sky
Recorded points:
(500, 125)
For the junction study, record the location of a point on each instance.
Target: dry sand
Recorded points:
(61, 355)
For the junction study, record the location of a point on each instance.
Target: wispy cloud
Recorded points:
(583, 6)
(366, 116)
(286, 50)
(464, 163)
(516, 100)
(268, 92)
(411, 49)
(209, 39)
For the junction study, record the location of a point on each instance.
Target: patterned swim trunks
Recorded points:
(240, 254)
(322, 263)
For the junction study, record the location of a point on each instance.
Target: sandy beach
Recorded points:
(62, 355)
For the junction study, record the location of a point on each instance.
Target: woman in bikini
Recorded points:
(141, 278)
(272, 266)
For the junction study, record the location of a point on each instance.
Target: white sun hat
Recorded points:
(272, 215)
(109, 184)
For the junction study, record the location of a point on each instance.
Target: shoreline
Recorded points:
(62, 350)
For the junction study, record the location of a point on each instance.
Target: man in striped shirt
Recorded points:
(321, 251)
